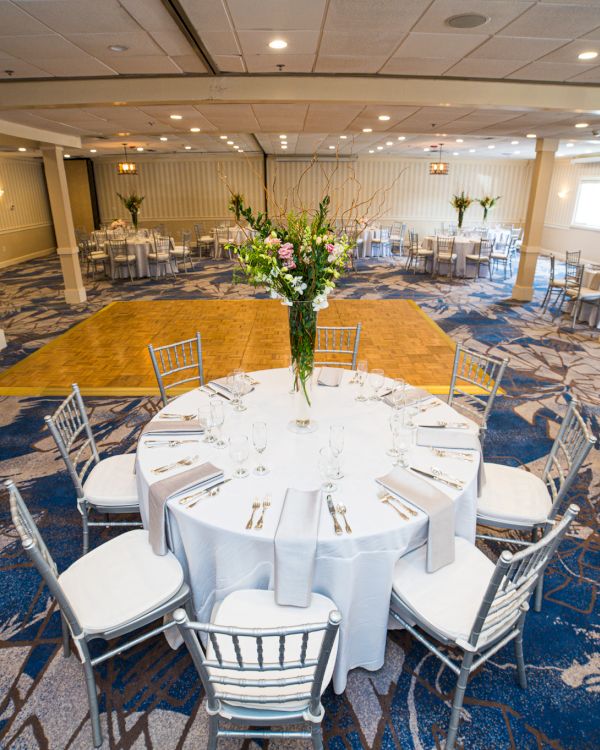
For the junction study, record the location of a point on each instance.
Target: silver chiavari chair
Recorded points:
(120, 255)
(519, 500)
(472, 370)
(106, 486)
(573, 283)
(204, 241)
(93, 258)
(481, 256)
(177, 364)
(118, 588)
(471, 605)
(502, 254)
(268, 672)
(338, 345)
(444, 253)
(161, 256)
(182, 253)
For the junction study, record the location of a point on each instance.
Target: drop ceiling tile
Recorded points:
(569, 52)
(357, 15)
(150, 14)
(144, 65)
(230, 63)
(516, 48)
(445, 46)
(349, 64)
(331, 117)
(281, 117)
(546, 71)
(189, 63)
(299, 43)
(17, 21)
(553, 20)
(589, 76)
(207, 14)
(472, 67)
(80, 67)
(20, 69)
(360, 43)
(228, 117)
(139, 43)
(500, 12)
(221, 43)
(277, 15)
(415, 66)
(172, 42)
(269, 63)
(29, 48)
(74, 16)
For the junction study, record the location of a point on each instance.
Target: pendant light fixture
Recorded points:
(126, 166)
(439, 167)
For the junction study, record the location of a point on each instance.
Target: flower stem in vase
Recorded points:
(303, 330)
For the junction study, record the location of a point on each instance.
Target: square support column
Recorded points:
(545, 149)
(62, 218)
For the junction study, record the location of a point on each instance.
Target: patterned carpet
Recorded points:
(150, 697)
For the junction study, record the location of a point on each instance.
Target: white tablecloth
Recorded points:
(462, 247)
(236, 235)
(221, 556)
(371, 246)
(140, 247)
(590, 313)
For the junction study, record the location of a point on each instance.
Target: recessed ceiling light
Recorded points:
(581, 125)
(188, 148)
(123, 134)
(235, 146)
(277, 44)
(380, 148)
(140, 148)
(343, 137)
(531, 135)
(283, 137)
(67, 156)
(176, 117)
(466, 21)
(230, 143)
(118, 48)
(426, 149)
(92, 151)
(194, 130)
(22, 148)
(491, 145)
(587, 55)
(401, 137)
(223, 137)
(332, 147)
(517, 152)
(283, 146)
(569, 145)
(383, 118)
(514, 143)
(367, 130)
(163, 138)
(455, 153)
(471, 150)
(459, 140)
(240, 150)
(371, 151)
(389, 143)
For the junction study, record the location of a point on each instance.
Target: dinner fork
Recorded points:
(187, 461)
(168, 443)
(265, 506)
(453, 454)
(184, 417)
(255, 507)
(341, 509)
(388, 501)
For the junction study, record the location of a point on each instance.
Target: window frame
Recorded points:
(574, 223)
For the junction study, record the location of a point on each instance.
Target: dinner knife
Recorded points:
(336, 526)
(184, 499)
(450, 482)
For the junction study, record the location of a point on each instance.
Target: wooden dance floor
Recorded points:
(107, 353)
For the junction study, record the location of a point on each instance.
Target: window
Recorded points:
(587, 206)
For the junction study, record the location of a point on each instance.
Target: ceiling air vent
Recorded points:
(466, 21)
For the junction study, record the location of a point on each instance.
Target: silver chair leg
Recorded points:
(316, 736)
(522, 676)
(459, 696)
(86, 531)
(65, 637)
(213, 731)
(90, 684)
(539, 594)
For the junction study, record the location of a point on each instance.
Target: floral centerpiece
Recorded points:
(118, 224)
(486, 203)
(132, 203)
(298, 260)
(461, 203)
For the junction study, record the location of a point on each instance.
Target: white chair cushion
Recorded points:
(180, 250)
(124, 258)
(98, 255)
(112, 482)
(424, 251)
(447, 256)
(120, 581)
(558, 283)
(207, 238)
(448, 600)
(253, 608)
(499, 256)
(588, 293)
(158, 257)
(480, 258)
(513, 496)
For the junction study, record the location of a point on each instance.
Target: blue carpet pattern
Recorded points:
(150, 697)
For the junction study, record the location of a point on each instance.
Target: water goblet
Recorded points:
(398, 395)
(259, 440)
(336, 444)
(361, 376)
(239, 386)
(376, 381)
(205, 418)
(239, 451)
(217, 411)
(329, 467)
(405, 439)
(396, 421)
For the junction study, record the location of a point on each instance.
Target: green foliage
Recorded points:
(488, 202)
(461, 202)
(132, 202)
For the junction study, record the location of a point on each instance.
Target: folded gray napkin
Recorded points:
(331, 376)
(221, 384)
(172, 426)
(161, 491)
(412, 395)
(445, 437)
(438, 506)
(296, 547)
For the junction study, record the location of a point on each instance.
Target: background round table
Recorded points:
(355, 570)
(139, 246)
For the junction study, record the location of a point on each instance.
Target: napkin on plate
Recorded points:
(221, 384)
(172, 427)
(296, 547)
(435, 437)
(412, 395)
(197, 478)
(436, 504)
(331, 376)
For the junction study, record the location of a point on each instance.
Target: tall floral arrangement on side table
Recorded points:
(132, 203)
(486, 203)
(461, 203)
(298, 260)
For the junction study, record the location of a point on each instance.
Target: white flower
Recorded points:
(285, 301)
(320, 302)
(318, 240)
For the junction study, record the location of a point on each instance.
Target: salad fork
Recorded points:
(255, 507)
(265, 506)
(187, 461)
(341, 509)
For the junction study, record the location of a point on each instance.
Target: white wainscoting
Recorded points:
(24, 203)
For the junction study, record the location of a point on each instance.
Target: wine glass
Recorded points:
(239, 451)
(336, 444)
(396, 421)
(205, 418)
(239, 387)
(329, 468)
(398, 394)
(376, 381)
(217, 412)
(405, 439)
(361, 376)
(259, 440)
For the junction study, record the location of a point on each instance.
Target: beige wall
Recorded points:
(558, 235)
(79, 194)
(25, 220)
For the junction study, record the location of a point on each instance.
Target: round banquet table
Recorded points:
(371, 246)
(463, 246)
(590, 313)
(139, 246)
(355, 570)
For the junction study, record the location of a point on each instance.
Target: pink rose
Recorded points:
(272, 240)
(291, 265)
(286, 250)
(330, 247)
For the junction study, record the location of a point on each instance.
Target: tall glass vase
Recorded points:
(303, 331)
(134, 219)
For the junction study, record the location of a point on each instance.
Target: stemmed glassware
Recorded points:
(403, 438)
(398, 395)
(395, 422)
(336, 444)
(217, 419)
(376, 381)
(361, 376)
(236, 383)
(259, 440)
(239, 451)
(329, 468)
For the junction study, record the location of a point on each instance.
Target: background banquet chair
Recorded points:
(116, 589)
(161, 256)
(176, 365)
(573, 283)
(120, 255)
(417, 254)
(444, 254)
(103, 486)
(471, 605)
(501, 254)
(224, 237)
(182, 253)
(270, 671)
(338, 345)
(204, 241)
(397, 239)
(481, 371)
(381, 242)
(93, 258)
(481, 256)
(515, 499)
(572, 258)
